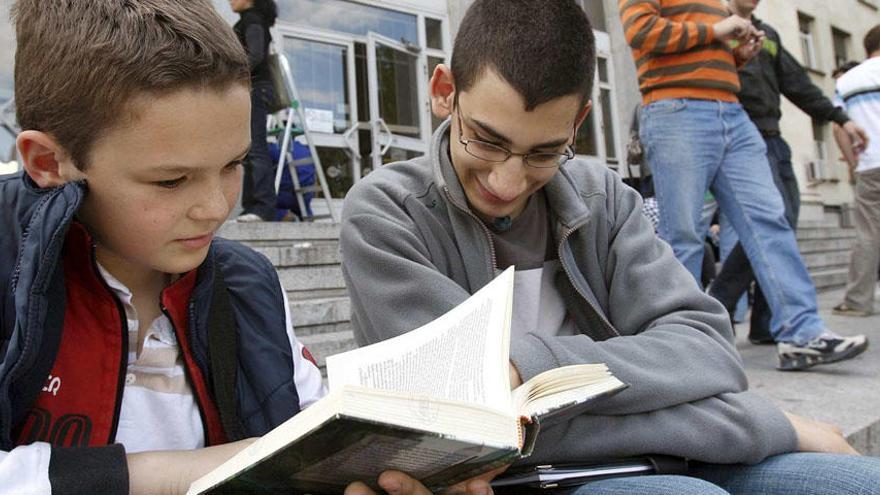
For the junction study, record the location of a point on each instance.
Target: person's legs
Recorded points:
(648, 485)
(258, 190)
(683, 145)
(737, 274)
(865, 256)
(779, 155)
(797, 473)
(743, 188)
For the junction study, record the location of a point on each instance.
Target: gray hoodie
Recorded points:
(412, 250)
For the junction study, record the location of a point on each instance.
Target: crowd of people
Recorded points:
(168, 350)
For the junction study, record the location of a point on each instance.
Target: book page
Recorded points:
(461, 356)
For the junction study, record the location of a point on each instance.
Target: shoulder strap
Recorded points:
(223, 352)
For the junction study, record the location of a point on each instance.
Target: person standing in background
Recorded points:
(258, 193)
(697, 136)
(859, 92)
(772, 73)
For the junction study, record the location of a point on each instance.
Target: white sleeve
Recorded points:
(307, 376)
(25, 470)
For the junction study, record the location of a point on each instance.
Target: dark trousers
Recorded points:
(736, 274)
(258, 190)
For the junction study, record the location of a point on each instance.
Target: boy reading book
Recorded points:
(501, 186)
(136, 348)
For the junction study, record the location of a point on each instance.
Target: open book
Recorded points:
(434, 403)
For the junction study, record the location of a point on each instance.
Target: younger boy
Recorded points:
(500, 187)
(131, 337)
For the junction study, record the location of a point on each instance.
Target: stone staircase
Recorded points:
(825, 247)
(307, 258)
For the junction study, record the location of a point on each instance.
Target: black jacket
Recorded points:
(774, 72)
(253, 32)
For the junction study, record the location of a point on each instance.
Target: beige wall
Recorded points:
(855, 17)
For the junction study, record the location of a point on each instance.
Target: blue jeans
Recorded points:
(258, 188)
(787, 474)
(736, 274)
(695, 145)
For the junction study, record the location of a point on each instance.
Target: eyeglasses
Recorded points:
(494, 153)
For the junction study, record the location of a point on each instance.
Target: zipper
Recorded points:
(189, 377)
(608, 326)
(493, 258)
(123, 358)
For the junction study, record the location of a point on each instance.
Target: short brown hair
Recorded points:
(872, 40)
(78, 63)
(544, 50)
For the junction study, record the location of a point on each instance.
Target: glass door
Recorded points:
(398, 121)
(323, 67)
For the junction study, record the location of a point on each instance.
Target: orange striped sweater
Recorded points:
(675, 50)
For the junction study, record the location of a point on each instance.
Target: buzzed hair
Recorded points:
(872, 40)
(544, 49)
(79, 63)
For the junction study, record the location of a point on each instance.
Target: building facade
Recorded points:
(362, 69)
(822, 35)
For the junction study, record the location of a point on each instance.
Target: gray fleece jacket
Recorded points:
(412, 250)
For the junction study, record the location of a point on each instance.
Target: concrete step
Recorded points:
(820, 261)
(320, 311)
(267, 233)
(302, 253)
(327, 344)
(307, 280)
(830, 279)
(825, 245)
(825, 233)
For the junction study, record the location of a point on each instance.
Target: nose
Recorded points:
(508, 180)
(210, 203)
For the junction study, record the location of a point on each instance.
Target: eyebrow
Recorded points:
(501, 137)
(175, 168)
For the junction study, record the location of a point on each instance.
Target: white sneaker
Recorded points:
(827, 348)
(249, 218)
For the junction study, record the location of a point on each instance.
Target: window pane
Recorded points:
(586, 138)
(337, 167)
(434, 33)
(350, 17)
(398, 90)
(608, 125)
(319, 70)
(602, 69)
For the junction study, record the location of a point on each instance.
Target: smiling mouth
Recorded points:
(484, 191)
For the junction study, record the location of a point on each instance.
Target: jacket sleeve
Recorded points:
(39, 468)
(393, 283)
(256, 45)
(646, 29)
(725, 429)
(797, 86)
(677, 343)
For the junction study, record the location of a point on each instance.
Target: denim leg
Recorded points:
(797, 474)
(258, 189)
(648, 485)
(745, 190)
(736, 274)
(684, 148)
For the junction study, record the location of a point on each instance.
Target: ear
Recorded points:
(442, 88)
(44, 160)
(582, 115)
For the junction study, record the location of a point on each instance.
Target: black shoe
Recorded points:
(825, 349)
(761, 339)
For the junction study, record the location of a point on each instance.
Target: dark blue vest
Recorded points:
(33, 225)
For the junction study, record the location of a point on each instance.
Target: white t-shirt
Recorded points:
(858, 92)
